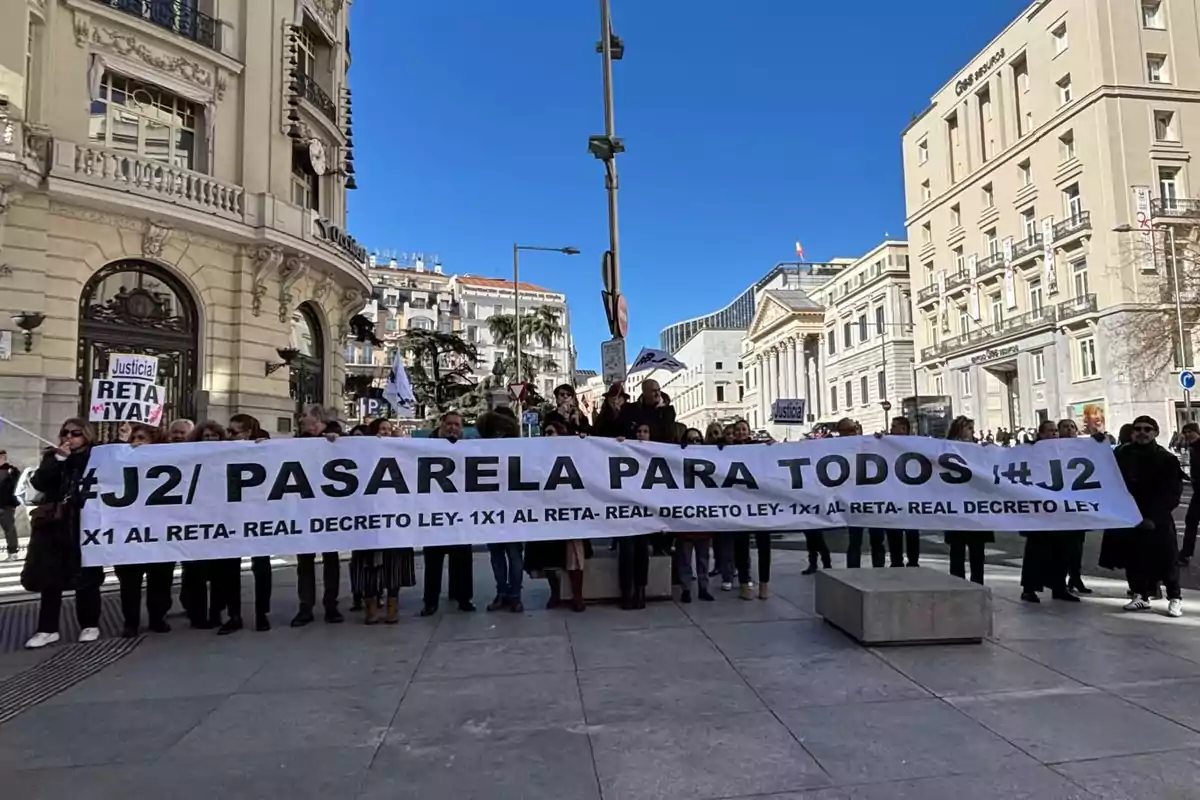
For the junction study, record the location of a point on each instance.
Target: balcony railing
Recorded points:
(132, 173)
(989, 263)
(958, 279)
(1175, 208)
(311, 91)
(1073, 224)
(174, 16)
(1027, 246)
(1076, 307)
(989, 333)
(928, 293)
(928, 353)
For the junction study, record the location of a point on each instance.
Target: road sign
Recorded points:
(517, 391)
(1187, 379)
(622, 317)
(612, 361)
(886, 405)
(531, 419)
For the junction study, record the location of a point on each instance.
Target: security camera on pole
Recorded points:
(606, 148)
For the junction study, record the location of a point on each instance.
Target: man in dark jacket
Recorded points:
(1153, 477)
(316, 422)
(1191, 435)
(462, 576)
(653, 408)
(9, 476)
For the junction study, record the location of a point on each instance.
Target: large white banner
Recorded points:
(222, 499)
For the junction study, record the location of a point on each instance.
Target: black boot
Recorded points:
(639, 597)
(555, 581)
(812, 567)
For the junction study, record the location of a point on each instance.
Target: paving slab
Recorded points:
(1017, 783)
(481, 657)
(1178, 701)
(643, 648)
(779, 638)
(673, 690)
(826, 679)
(489, 704)
(1158, 776)
(953, 670)
(1106, 660)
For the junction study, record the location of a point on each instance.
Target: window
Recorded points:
(306, 187)
(847, 339)
(964, 382)
(862, 328)
(33, 67)
(922, 151)
(865, 399)
(1066, 146)
(849, 394)
(1164, 126)
(939, 385)
(926, 192)
(1085, 352)
(879, 321)
(1035, 297)
(1025, 173)
(417, 302)
(1064, 90)
(1169, 189)
(991, 242)
(1072, 202)
(984, 99)
(1079, 278)
(1152, 15)
(964, 320)
(140, 118)
(420, 323)
(956, 216)
(719, 365)
(1029, 226)
(997, 308)
(831, 338)
(833, 398)
(741, 392)
(1020, 70)
(1037, 361)
(472, 310)
(927, 233)
(720, 393)
(989, 197)
(960, 261)
(1156, 69)
(952, 135)
(390, 323)
(881, 384)
(497, 310)
(472, 333)
(1059, 35)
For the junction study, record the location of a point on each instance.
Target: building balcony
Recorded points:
(1175, 209)
(178, 17)
(1076, 307)
(134, 174)
(1028, 247)
(960, 278)
(993, 333)
(928, 294)
(1076, 223)
(989, 264)
(311, 91)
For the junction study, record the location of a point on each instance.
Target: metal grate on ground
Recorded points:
(58, 673)
(18, 621)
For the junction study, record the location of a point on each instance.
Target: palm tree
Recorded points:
(540, 325)
(440, 366)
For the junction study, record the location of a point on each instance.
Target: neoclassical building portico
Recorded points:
(780, 355)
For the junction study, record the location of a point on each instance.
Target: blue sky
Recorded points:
(749, 124)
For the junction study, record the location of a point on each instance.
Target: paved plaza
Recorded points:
(723, 700)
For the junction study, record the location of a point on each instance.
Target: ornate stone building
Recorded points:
(173, 179)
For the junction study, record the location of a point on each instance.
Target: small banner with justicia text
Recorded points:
(186, 502)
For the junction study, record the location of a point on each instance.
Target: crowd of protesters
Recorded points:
(210, 591)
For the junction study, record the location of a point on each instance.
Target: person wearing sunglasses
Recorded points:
(54, 562)
(1153, 477)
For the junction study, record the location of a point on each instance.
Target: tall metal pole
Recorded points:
(517, 318)
(1183, 359)
(610, 164)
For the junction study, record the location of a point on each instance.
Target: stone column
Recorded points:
(761, 367)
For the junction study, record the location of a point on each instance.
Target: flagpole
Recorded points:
(27, 432)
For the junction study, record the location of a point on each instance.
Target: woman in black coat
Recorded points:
(966, 545)
(54, 562)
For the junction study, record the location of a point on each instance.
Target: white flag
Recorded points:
(399, 391)
(656, 359)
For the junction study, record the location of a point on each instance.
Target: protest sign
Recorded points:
(224, 500)
(126, 400)
(131, 366)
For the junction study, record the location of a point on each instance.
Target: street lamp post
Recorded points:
(1179, 327)
(605, 147)
(517, 248)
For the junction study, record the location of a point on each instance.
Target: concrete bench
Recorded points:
(600, 582)
(904, 606)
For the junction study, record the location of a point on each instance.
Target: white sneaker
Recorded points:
(89, 635)
(1175, 608)
(726, 587)
(40, 640)
(14, 557)
(1137, 604)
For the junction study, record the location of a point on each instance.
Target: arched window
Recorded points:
(420, 323)
(308, 368)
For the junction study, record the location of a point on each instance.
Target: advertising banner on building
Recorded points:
(1010, 279)
(973, 298)
(1144, 247)
(185, 502)
(1049, 270)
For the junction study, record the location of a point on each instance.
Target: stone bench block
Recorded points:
(600, 579)
(904, 606)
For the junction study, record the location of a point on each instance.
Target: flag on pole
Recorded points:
(799, 251)
(399, 391)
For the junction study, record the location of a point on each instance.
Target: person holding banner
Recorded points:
(507, 558)
(898, 541)
(54, 562)
(849, 427)
(245, 428)
(550, 558)
(1067, 429)
(461, 568)
(966, 545)
(317, 421)
(1047, 553)
(158, 576)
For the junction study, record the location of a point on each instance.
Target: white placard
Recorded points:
(126, 400)
(133, 367)
(184, 502)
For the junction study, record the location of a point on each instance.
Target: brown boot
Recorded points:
(393, 611)
(764, 590)
(371, 614)
(576, 576)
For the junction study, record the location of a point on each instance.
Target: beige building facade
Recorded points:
(1079, 118)
(173, 181)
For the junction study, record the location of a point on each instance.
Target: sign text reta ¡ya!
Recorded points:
(965, 83)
